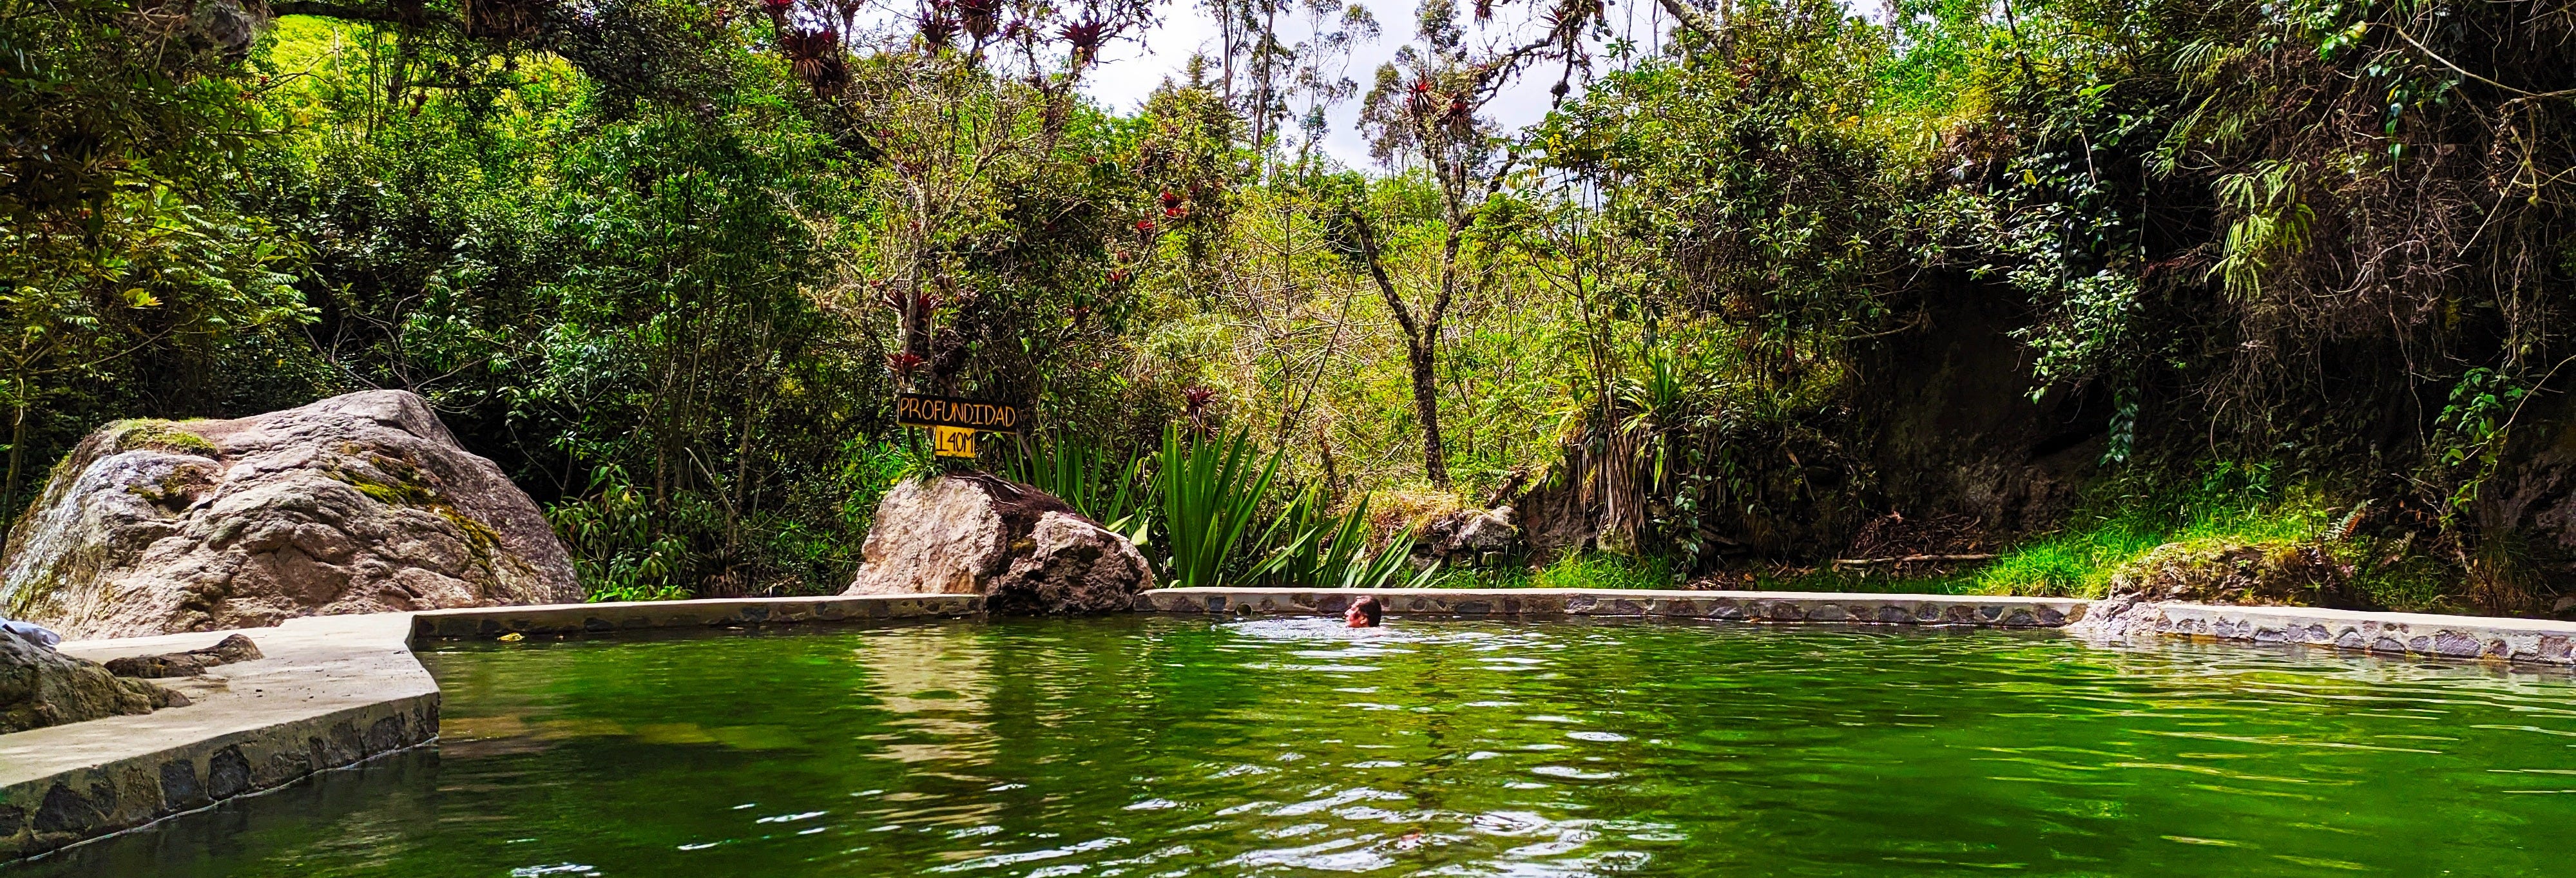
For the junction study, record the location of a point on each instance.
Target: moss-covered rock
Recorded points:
(2228, 571)
(40, 687)
(355, 504)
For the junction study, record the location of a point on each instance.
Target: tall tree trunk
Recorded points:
(1426, 406)
(9, 494)
(1420, 339)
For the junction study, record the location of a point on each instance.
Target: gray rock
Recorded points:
(1024, 550)
(356, 504)
(40, 687)
(236, 648)
(1468, 538)
(43, 636)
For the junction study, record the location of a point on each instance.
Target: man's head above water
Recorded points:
(1364, 613)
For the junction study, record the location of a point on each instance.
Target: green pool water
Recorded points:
(1163, 746)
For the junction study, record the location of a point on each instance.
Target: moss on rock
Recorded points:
(2221, 570)
(159, 435)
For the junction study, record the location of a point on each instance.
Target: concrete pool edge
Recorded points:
(1738, 606)
(329, 692)
(2484, 638)
(333, 691)
(2481, 638)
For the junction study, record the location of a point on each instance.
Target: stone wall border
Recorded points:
(2480, 638)
(1980, 611)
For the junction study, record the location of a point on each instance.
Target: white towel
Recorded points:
(33, 632)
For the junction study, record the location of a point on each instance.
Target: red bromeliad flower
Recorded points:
(1194, 402)
(1145, 225)
(904, 363)
(1085, 37)
(922, 303)
(982, 16)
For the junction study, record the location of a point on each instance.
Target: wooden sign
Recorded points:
(953, 422)
(922, 410)
(952, 442)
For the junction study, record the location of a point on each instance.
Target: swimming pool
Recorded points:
(1159, 745)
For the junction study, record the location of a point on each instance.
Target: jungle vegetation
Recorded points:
(1774, 283)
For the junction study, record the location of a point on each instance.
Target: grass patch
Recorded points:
(2231, 506)
(1584, 570)
(1868, 582)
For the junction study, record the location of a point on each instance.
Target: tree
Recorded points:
(1424, 114)
(118, 119)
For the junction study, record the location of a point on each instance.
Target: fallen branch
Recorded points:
(1909, 559)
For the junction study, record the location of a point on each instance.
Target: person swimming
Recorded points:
(1364, 613)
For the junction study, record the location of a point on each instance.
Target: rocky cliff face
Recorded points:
(355, 504)
(1023, 549)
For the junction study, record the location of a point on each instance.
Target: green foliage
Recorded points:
(1211, 491)
(1604, 570)
(1330, 550)
(1573, 570)
(621, 547)
(2232, 504)
(665, 263)
(1104, 487)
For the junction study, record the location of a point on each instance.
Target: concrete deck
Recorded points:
(329, 691)
(1741, 606)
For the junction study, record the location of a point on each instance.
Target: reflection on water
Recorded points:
(936, 678)
(1164, 746)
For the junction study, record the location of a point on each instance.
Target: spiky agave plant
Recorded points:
(1318, 545)
(1323, 550)
(1383, 569)
(1102, 485)
(1211, 490)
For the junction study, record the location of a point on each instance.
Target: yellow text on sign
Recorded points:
(952, 441)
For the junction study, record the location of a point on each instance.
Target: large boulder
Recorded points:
(2214, 571)
(2226, 571)
(1021, 548)
(356, 504)
(40, 687)
(1467, 538)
